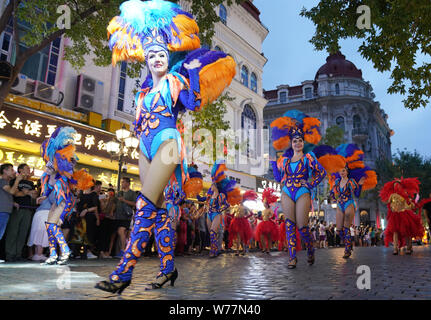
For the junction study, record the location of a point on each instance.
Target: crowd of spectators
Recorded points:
(101, 220)
(98, 226)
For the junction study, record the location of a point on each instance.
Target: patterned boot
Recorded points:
(347, 243)
(163, 237)
(214, 244)
(291, 241)
(306, 236)
(50, 229)
(64, 248)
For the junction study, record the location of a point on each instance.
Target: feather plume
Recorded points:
(83, 179)
(249, 195)
(234, 197)
(269, 196)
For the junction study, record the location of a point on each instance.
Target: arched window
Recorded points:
(217, 48)
(337, 88)
(244, 76)
(356, 121)
(340, 122)
(248, 122)
(223, 14)
(253, 82)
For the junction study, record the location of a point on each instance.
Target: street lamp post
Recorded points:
(120, 148)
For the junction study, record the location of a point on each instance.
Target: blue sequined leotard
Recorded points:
(156, 116)
(290, 174)
(345, 195)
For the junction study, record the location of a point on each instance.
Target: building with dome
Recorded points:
(339, 95)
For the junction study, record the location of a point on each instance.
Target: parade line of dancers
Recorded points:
(183, 77)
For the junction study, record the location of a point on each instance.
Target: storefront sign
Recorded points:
(262, 184)
(24, 124)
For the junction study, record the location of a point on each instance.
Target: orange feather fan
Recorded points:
(332, 163)
(214, 78)
(370, 180)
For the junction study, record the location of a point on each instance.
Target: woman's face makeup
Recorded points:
(157, 62)
(297, 144)
(343, 173)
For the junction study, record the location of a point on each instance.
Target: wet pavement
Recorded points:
(371, 273)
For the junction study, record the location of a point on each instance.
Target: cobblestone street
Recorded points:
(255, 276)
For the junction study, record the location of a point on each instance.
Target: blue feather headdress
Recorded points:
(143, 25)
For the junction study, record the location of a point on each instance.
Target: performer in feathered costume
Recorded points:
(349, 176)
(149, 31)
(220, 197)
(240, 229)
(267, 230)
(403, 223)
(59, 177)
(293, 170)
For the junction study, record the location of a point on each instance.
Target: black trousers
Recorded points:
(92, 230)
(107, 228)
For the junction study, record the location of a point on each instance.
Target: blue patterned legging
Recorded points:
(147, 218)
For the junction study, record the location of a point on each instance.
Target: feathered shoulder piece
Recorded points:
(294, 123)
(194, 184)
(406, 188)
(347, 156)
(209, 73)
(146, 23)
(329, 158)
(249, 195)
(269, 196)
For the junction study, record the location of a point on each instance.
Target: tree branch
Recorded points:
(7, 13)
(15, 27)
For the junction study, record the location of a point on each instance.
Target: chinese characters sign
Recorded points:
(22, 124)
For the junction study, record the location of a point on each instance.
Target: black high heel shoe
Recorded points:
(347, 254)
(116, 287)
(163, 278)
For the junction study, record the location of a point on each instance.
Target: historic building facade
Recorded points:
(339, 96)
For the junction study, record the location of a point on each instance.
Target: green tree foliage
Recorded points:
(333, 137)
(88, 22)
(211, 117)
(408, 165)
(398, 36)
